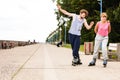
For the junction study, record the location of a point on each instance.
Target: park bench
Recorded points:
(113, 49)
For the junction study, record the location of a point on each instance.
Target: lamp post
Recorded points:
(65, 31)
(60, 33)
(66, 20)
(56, 35)
(100, 2)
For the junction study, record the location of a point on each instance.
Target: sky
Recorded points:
(25, 20)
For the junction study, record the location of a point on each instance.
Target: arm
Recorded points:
(109, 29)
(96, 28)
(88, 26)
(64, 11)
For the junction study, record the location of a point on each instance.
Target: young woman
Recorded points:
(102, 29)
(75, 31)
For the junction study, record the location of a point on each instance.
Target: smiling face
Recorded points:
(83, 13)
(103, 17)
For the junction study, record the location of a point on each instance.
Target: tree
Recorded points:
(112, 8)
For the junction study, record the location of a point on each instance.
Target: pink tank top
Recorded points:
(103, 28)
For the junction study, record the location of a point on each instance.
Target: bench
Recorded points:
(113, 49)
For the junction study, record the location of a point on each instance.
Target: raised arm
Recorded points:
(88, 26)
(64, 11)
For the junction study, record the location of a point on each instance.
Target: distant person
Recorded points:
(34, 42)
(75, 31)
(59, 43)
(102, 29)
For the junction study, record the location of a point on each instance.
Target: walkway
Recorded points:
(48, 62)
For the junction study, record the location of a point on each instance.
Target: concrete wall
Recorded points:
(7, 44)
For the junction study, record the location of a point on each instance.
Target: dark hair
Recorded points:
(84, 11)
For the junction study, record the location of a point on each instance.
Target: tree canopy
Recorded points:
(112, 7)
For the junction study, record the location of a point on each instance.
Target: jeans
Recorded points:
(75, 44)
(100, 41)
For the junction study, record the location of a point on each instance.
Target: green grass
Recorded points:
(69, 46)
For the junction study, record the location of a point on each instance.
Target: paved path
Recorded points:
(48, 62)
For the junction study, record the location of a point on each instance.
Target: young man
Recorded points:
(102, 29)
(75, 31)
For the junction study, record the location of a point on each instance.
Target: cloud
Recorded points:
(27, 19)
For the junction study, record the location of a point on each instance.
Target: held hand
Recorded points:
(108, 21)
(58, 6)
(91, 23)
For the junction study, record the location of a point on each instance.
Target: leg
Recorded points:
(104, 48)
(76, 47)
(75, 43)
(71, 40)
(96, 48)
(76, 50)
(104, 51)
(98, 40)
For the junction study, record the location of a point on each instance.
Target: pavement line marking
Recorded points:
(24, 63)
(48, 73)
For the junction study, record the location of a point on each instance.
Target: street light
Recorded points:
(56, 35)
(65, 19)
(100, 2)
(60, 33)
(65, 31)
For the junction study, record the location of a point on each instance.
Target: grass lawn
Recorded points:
(69, 46)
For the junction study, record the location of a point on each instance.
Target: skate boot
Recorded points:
(105, 63)
(79, 62)
(92, 63)
(74, 62)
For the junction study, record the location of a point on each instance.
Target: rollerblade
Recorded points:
(105, 63)
(79, 62)
(92, 63)
(76, 62)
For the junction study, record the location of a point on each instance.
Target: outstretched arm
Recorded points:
(88, 26)
(64, 11)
